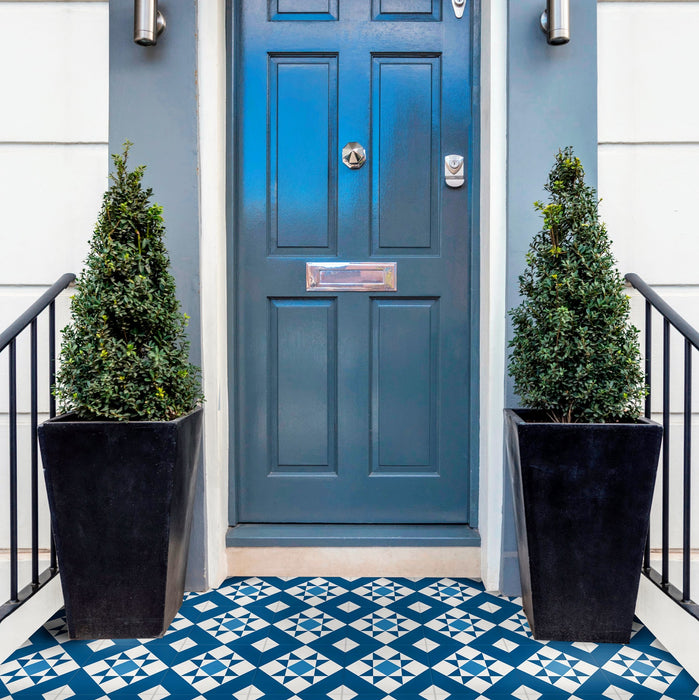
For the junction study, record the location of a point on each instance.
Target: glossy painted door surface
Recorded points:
(352, 406)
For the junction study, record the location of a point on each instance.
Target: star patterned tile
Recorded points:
(339, 639)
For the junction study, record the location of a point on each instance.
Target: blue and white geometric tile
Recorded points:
(232, 624)
(561, 670)
(339, 639)
(315, 591)
(644, 669)
(212, 669)
(385, 625)
(460, 625)
(125, 668)
(449, 591)
(383, 591)
(35, 668)
(472, 668)
(248, 590)
(309, 625)
(387, 669)
(301, 668)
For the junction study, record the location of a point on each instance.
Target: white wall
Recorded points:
(53, 167)
(649, 184)
(649, 177)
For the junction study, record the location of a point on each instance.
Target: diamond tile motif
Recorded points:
(35, 668)
(248, 590)
(644, 669)
(384, 625)
(557, 668)
(449, 591)
(343, 639)
(383, 591)
(232, 624)
(316, 591)
(300, 669)
(213, 668)
(473, 668)
(460, 625)
(309, 624)
(387, 669)
(125, 668)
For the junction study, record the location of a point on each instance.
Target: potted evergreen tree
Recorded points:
(120, 462)
(582, 460)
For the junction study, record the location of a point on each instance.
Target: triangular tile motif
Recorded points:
(213, 668)
(233, 624)
(460, 625)
(642, 668)
(472, 668)
(309, 625)
(301, 668)
(383, 591)
(387, 669)
(557, 668)
(343, 639)
(130, 666)
(449, 591)
(316, 591)
(385, 625)
(35, 668)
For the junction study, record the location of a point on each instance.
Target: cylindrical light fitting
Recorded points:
(148, 22)
(555, 22)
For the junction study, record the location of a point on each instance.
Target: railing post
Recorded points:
(13, 472)
(648, 407)
(666, 455)
(687, 495)
(34, 454)
(52, 409)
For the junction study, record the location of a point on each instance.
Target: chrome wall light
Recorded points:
(555, 22)
(148, 22)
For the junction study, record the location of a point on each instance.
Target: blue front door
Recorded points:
(353, 406)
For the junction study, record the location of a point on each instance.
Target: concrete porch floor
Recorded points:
(339, 638)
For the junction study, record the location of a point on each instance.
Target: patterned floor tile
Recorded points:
(338, 639)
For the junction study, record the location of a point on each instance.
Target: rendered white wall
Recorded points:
(649, 183)
(53, 167)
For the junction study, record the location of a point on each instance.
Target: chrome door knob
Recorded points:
(354, 155)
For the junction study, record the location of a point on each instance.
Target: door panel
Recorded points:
(303, 350)
(353, 406)
(405, 174)
(303, 132)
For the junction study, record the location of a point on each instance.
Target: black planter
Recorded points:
(582, 495)
(121, 498)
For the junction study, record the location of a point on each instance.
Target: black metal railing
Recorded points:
(8, 341)
(690, 336)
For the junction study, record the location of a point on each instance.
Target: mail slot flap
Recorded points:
(351, 277)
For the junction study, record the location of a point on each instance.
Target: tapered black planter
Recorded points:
(121, 498)
(582, 495)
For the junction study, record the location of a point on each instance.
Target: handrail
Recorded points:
(8, 340)
(19, 324)
(691, 341)
(683, 326)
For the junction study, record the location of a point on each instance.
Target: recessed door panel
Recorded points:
(289, 10)
(407, 10)
(405, 153)
(303, 386)
(351, 278)
(404, 385)
(302, 153)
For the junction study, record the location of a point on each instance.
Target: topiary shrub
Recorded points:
(125, 354)
(575, 355)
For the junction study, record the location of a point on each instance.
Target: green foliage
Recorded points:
(574, 353)
(125, 354)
